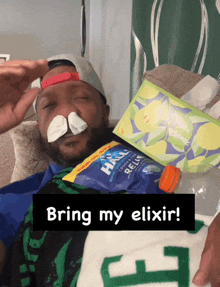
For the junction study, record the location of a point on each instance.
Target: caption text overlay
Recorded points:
(111, 212)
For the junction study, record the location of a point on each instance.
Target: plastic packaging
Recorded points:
(205, 185)
(115, 167)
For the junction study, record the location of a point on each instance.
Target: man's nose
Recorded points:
(66, 108)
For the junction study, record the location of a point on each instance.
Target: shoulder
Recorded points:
(29, 184)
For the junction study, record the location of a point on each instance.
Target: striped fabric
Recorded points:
(46, 258)
(181, 33)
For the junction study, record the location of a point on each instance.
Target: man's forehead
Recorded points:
(58, 70)
(74, 86)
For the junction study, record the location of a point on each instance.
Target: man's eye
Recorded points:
(48, 105)
(84, 98)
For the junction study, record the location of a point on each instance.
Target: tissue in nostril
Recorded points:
(57, 128)
(76, 124)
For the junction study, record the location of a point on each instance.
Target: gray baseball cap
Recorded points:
(84, 69)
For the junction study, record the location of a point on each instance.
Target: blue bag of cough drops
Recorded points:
(115, 167)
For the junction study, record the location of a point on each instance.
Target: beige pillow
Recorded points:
(7, 159)
(29, 158)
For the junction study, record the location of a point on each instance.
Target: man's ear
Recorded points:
(107, 113)
(107, 109)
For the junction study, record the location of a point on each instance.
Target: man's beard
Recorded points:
(97, 138)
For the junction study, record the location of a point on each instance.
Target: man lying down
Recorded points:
(73, 123)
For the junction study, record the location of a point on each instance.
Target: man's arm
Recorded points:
(209, 269)
(15, 77)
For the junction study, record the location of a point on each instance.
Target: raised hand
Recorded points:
(15, 77)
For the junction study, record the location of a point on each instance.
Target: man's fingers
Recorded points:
(15, 71)
(37, 69)
(209, 270)
(15, 62)
(14, 75)
(201, 277)
(24, 104)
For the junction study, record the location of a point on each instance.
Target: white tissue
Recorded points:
(202, 93)
(57, 128)
(215, 111)
(76, 124)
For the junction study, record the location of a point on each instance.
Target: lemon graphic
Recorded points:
(196, 161)
(125, 128)
(149, 92)
(147, 118)
(208, 136)
(158, 148)
(176, 103)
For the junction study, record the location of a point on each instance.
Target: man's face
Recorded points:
(62, 99)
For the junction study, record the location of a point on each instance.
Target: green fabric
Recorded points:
(198, 226)
(179, 34)
(46, 258)
(49, 258)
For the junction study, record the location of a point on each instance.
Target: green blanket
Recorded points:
(46, 258)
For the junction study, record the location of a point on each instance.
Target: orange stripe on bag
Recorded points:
(88, 161)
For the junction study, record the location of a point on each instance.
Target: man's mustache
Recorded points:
(59, 126)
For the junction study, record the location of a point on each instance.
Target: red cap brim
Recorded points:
(59, 79)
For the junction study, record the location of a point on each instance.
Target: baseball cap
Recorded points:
(85, 71)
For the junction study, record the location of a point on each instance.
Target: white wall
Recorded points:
(37, 29)
(109, 50)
